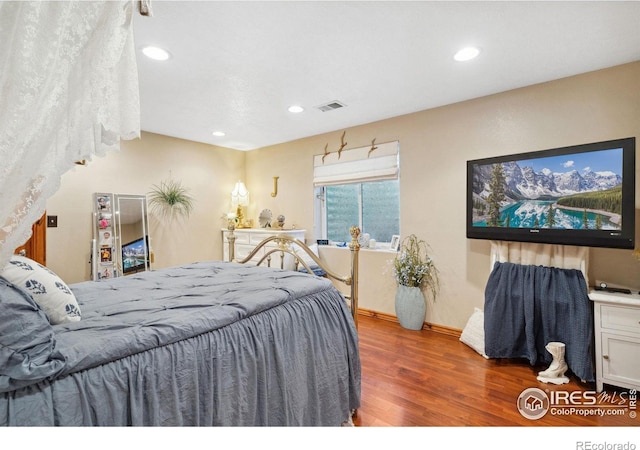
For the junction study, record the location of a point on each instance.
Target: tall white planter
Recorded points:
(411, 308)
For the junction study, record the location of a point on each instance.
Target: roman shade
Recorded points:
(357, 165)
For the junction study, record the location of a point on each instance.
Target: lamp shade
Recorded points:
(240, 195)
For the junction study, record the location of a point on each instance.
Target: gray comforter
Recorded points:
(211, 343)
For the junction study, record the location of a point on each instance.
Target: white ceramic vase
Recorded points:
(410, 307)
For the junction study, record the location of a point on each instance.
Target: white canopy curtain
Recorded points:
(68, 91)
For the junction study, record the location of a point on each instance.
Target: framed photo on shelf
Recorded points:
(107, 272)
(104, 220)
(395, 242)
(104, 202)
(105, 254)
(106, 238)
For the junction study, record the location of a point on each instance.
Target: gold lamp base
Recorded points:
(239, 215)
(240, 222)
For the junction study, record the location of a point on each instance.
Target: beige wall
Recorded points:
(434, 147)
(208, 172)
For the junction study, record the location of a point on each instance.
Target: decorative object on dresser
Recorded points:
(265, 218)
(239, 199)
(617, 338)
(415, 272)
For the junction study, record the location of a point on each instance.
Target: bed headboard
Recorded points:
(300, 253)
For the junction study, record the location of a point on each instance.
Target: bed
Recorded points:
(213, 343)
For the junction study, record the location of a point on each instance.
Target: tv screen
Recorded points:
(580, 195)
(135, 256)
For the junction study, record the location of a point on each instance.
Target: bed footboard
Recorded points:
(288, 245)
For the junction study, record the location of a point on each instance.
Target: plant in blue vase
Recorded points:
(416, 274)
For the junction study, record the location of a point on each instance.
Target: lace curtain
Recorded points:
(68, 90)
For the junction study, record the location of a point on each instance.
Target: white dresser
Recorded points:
(617, 339)
(248, 238)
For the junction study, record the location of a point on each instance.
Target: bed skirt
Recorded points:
(288, 374)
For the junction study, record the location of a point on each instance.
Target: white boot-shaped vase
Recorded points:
(555, 373)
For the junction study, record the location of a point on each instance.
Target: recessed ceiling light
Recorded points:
(218, 133)
(296, 109)
(466, 54)
(156, 53)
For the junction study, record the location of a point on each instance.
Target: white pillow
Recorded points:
(289, 260)
(45, 287)
(473, 333)
(304, 256)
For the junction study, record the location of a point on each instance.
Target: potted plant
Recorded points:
(415, 273)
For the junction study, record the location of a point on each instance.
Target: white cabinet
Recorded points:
(617, 339)
(248, 238)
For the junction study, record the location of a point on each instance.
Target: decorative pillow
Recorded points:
(27, 342)
(473, 333)
(290, 260)
(45, 287)
(304, 256)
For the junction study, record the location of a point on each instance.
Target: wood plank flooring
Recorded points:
(425, 378)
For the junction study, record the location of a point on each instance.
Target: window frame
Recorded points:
(360, 165)
(320, 209)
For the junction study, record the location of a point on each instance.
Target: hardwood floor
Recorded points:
(425, 378)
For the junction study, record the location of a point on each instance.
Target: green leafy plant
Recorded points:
(414, 267)
(170, 199)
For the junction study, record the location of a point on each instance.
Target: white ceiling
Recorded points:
(237, 66)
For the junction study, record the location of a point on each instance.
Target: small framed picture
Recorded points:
(104, 221)
(105, 254)
(106, 238)
(104, 202)
(395, 242)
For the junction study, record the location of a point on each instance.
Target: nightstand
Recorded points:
(617, 339)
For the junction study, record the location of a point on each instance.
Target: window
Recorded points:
(361, 189)
(373, 206)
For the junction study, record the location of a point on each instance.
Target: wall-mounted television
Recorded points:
(135, 256)
(579, 195)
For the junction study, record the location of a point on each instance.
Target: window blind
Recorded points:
(357, 165)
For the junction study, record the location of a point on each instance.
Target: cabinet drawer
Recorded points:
(256, 238)
(243, 250)
(620, 318)
(241, 238)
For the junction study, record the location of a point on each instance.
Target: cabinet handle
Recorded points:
(605, 356)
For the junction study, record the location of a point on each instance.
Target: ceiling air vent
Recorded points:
(331, 106)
